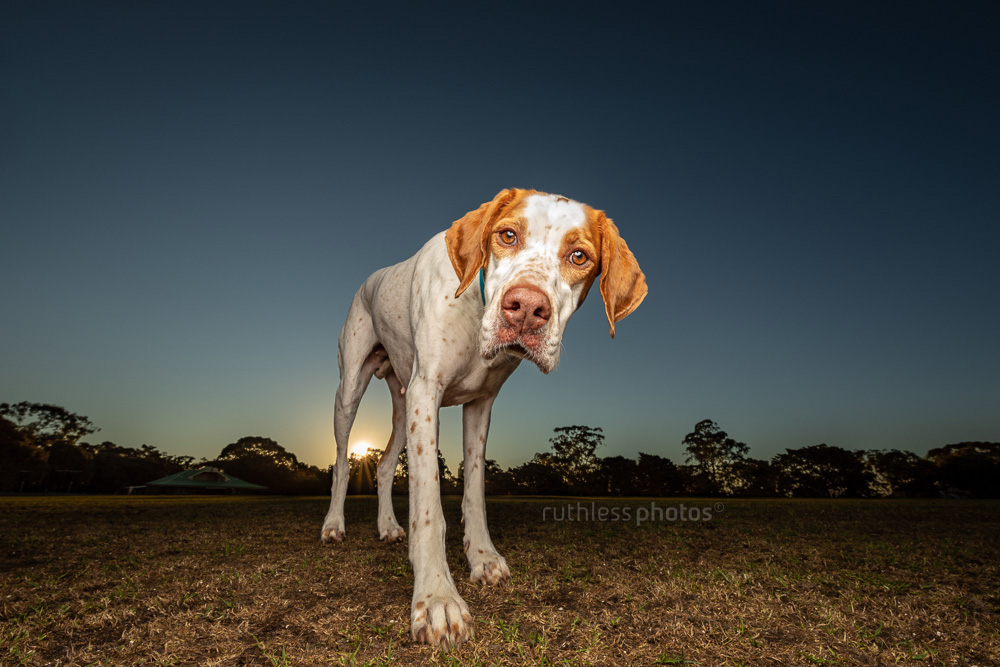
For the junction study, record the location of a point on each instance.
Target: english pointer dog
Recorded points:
(447, 327)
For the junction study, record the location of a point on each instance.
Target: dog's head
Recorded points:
(540, 254)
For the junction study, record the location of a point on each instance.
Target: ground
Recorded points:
(245, 581)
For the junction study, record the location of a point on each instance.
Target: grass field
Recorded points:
(245, 581)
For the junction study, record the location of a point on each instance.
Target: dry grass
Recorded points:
(245, 581)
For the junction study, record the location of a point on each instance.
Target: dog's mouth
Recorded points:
(513, 348)
(498, 336)
(517, 349)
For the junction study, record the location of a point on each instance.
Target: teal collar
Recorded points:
(482, 286)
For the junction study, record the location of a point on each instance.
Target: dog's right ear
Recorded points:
(469, 236)
(623, 285)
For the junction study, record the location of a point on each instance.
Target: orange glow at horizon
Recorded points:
(359, 448)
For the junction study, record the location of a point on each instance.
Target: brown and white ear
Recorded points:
(468, 238)
(623, 285)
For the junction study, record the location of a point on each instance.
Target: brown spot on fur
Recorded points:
(427, 523)
(420, 450)
(428, 418)
(435, 477)
(420, 605)
(413, 427)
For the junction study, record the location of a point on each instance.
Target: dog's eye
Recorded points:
(578, 257)
(508, 237)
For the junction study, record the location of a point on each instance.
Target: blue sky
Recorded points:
(190, 194)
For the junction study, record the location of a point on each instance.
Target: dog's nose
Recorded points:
(525, 308)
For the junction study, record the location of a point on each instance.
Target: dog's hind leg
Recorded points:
(389, 529)
(359, 356)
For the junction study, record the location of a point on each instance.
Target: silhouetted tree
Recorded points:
(753, 478)
(22, 463)
(311, 480)
(657, 476)
(257, 447)
(538, 479)
(261, 461)
(499, 482)
(822, 471)
(115, 468)
(43, 425)
(46, 445)
(616, 476)
(573, 457)
(968, 468)
(714, 454)
(895, 472)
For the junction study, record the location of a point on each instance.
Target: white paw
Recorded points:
(331, 535)
(440, 620)
(488, 568)
(392, 533)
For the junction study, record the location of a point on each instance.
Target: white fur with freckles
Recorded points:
(434, 350)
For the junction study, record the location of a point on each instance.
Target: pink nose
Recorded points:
(525, 308)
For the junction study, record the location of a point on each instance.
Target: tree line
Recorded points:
(42, 449)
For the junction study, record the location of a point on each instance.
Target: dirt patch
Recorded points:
(245, 581)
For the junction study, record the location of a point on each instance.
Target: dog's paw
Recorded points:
(441, 620)
(392, 534)
(331, 535)
(489, 568)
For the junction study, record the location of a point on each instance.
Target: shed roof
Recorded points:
(205, 478)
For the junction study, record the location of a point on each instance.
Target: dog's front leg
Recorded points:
(438, 614)
(488, 567)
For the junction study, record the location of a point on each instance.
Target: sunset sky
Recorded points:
(191, 193)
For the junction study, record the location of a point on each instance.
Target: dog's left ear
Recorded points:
(468, 238)
(623, 285)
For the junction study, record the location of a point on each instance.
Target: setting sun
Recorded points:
(359, 448)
